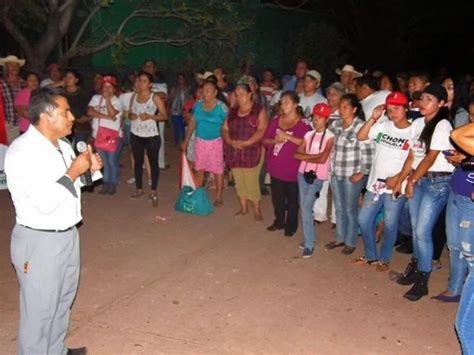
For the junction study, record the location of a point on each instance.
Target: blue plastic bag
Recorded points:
(194, 201)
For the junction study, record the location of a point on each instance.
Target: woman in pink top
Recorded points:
(282, 138)
(313, 171)
(22, 100)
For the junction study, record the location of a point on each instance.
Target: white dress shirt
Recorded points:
(43, 196)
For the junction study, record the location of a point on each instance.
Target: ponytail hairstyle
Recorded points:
(293, 96)
(428, 131)
(354, 102)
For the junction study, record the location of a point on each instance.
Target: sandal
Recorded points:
(333, 244)
(363, 261)
(381, 266)
(347, 250)
(218, 203)
(136, 194)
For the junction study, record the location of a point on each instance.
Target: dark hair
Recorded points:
(212, 78)
(292, 95)
(368, 80)
(393, 80)
(182, 74)
(148, 75)
(150, 60)
(421, 75)
(429, 128)
(43, 100)
(354, 102)
(211, 82)
(32, 73)
(244, 86)
(75, 73)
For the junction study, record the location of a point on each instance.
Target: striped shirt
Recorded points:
(349, 155)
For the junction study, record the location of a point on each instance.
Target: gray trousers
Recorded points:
(47, 267)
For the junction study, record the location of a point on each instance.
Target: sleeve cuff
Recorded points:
(68, 184)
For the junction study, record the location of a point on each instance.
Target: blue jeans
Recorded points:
(460, 211)
(465, 316)
(111, 162)
(367, 223)
(346, 200)
(429, 199)
(404, 222)
(307, 199)
(178, 128)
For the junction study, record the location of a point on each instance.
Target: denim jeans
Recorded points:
(178, 128)
(367, 223)
(465, 316)
(459, 213)
(307, 198)
(346, 200)
(404, 221)
(429, 198)
(111, 162)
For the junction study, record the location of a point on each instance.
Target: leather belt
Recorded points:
(49, 230)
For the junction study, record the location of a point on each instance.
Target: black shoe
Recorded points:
(77, 351)
(264, 191)
(410, 274)
(105, 189)
(112, 189)
(274, 227)
(289, 234)
(420, 287)
(405, 248)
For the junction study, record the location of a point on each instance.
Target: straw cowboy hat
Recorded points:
(349, 68)
(12, 59)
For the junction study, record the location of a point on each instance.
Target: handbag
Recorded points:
(106, 139)
(194, 201)
(191, 199)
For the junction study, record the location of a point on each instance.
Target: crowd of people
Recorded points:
(378, 149)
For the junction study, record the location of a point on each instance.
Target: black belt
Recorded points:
(436, 174)
(49, 230)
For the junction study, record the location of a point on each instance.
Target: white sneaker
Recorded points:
(131, 180)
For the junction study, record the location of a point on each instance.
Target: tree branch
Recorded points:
(84, 26)
(15, 32)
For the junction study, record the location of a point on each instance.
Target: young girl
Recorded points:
(313, 171)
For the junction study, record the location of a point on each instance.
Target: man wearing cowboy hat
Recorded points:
(347, 73)
(11, 84)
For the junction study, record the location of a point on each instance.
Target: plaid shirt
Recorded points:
(242, 128)
(349, 155)
(9, 93)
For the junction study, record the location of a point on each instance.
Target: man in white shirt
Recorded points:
(369, 95)
(43, 176)
(310, 97)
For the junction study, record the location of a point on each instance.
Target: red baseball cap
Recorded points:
(109, 80)
(322, 110)
(396, 98)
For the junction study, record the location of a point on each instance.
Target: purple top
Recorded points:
(462, 182)
(280, 162)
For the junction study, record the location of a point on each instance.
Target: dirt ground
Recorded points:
(221, 285)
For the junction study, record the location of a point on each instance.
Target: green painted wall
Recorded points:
(268, 42)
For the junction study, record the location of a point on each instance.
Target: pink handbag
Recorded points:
(106, 139)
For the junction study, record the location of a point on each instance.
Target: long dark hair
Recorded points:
(354, 102)
(428, 131)
(294, 97)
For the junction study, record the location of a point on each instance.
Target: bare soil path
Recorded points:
(224, 285)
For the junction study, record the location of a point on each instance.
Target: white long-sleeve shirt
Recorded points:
(43, 196)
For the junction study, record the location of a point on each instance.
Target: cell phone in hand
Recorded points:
(448, 153)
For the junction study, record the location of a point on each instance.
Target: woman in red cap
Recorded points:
(106, 111)
(391, 138)
(314, 154)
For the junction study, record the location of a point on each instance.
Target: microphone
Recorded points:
(86, 178)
